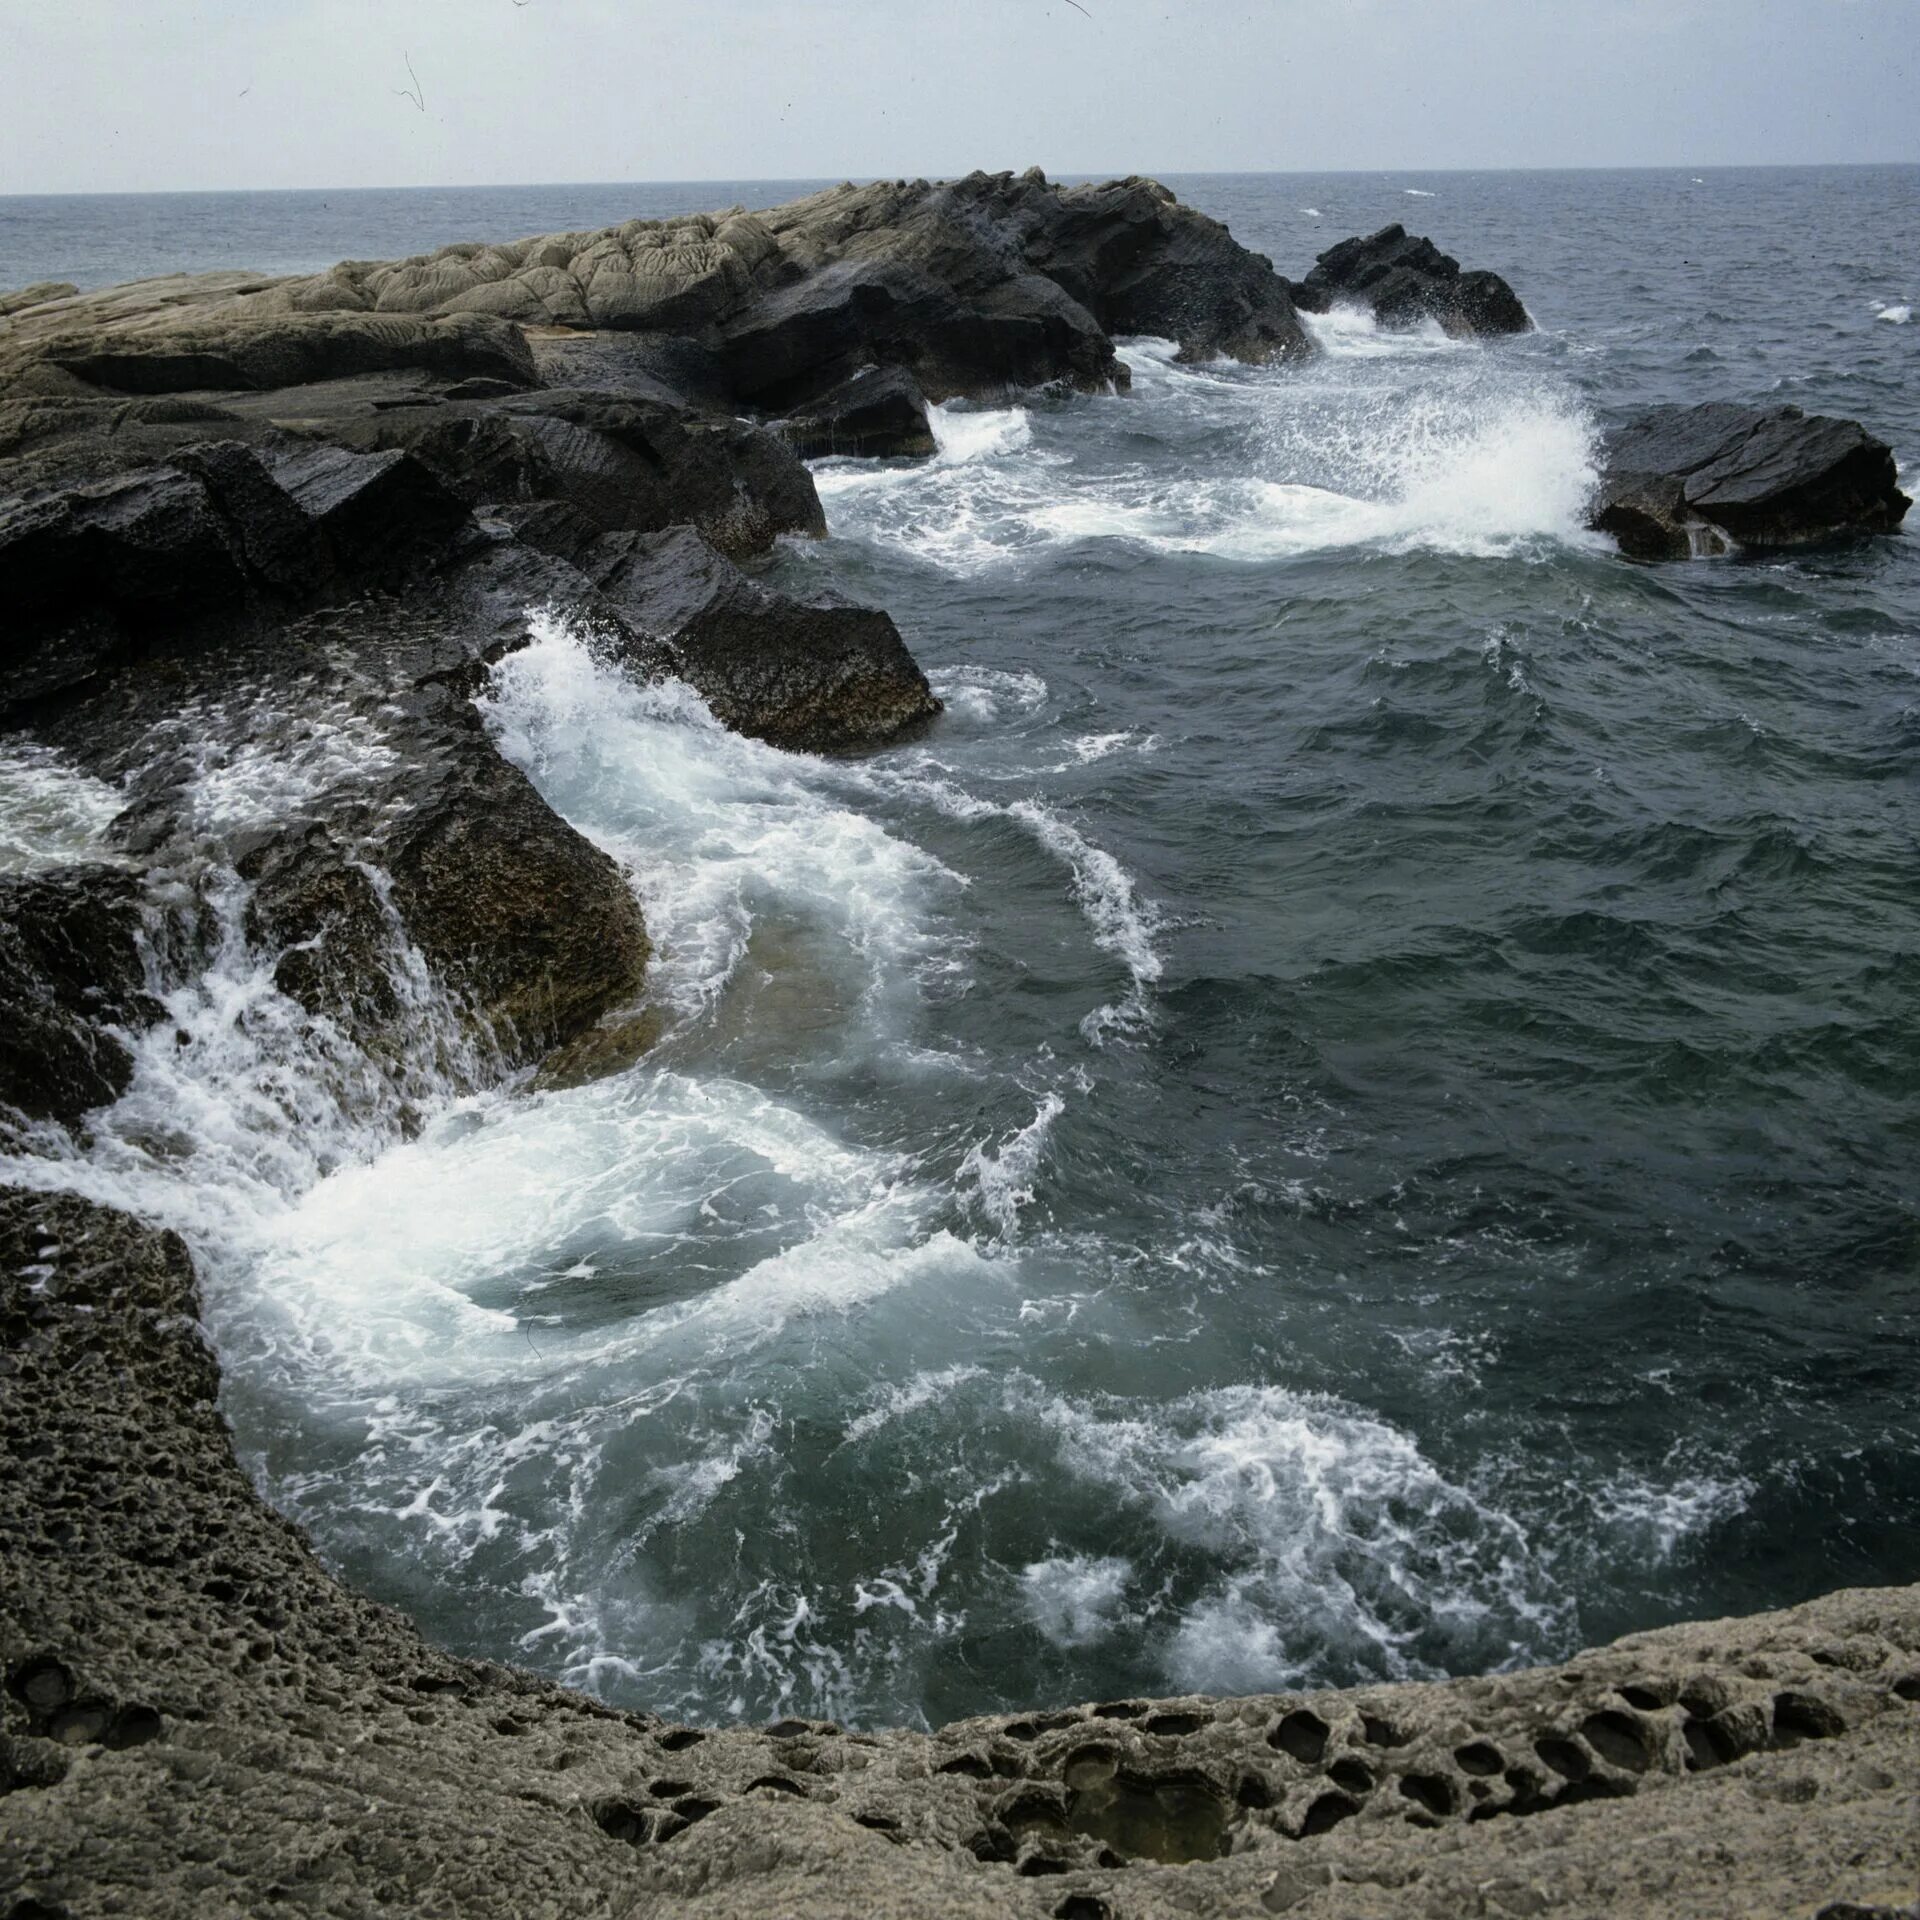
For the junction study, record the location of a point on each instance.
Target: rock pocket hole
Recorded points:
(1302, 1736)
(1326, 1813)
(1380, 1733)
(1710, 1743)
(134, 1727)
(621, 1820)
(1567, 1760)
(1082, 1906)
(1433, 1791)
(777, 1783)
(1480, 1757)
(679, 1739)
(1799, 1716)
(43, 1684)
(972, 1765)
(1645, 1698)
(1172, 1818)
(1619, 1739)
(1354, 1775)
(1909, 1687)
(1174, 1725)
(1119, 1710)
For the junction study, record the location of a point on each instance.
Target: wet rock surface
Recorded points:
(821, 677)
(198, 1719)
(1716, 478)
(1404, 279)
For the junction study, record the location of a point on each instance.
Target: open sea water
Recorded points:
(1353, 1109)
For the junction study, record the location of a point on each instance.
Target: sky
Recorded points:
(125, 95)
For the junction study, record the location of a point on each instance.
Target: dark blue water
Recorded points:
(1353, 1109)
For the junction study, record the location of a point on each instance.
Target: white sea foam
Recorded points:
(1895, 315)
(1003, 1177)
(963, 434)
(1334, 1536)
(727, 840)
(1475, 457)
(51, 814)
(1658, 1519)
(1313, 213)
(1074, 1599)
(1417, 193)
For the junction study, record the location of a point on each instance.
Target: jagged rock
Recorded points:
(878, 414)
(71, 973)
(1711, 478)
(190, 1699)
(1404, 279)
(824, 677)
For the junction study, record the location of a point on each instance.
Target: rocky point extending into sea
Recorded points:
(225, 501)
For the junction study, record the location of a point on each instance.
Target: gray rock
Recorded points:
(1718, 477)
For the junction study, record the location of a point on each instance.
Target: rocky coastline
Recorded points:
(275, 515)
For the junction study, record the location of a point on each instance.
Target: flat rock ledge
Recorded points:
(197, 1719)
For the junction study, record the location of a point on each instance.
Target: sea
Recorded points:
(1351, 1112)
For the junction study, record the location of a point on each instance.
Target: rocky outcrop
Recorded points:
(198, 1720)
(975, 286)
(1719, 478)
(819, 677)
(1404, 279)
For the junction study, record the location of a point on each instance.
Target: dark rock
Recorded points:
(1706, 479)
(71, 973)
(818, 678)
(279, 538)
(1404, 279)
(879, 414)
(145, 541)
(379, 512)
(620, 461)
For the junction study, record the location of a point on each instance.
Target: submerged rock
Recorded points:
(1403, 279)
(1717, 477)
(814, 677)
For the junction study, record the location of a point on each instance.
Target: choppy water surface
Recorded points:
(1351, 1110)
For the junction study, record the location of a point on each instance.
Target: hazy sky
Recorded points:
(125, 94)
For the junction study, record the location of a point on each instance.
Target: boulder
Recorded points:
(1404, 279)
(1718, 477)
(879, 414)
(71, 979)
(821, 677)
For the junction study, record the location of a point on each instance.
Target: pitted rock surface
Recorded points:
(197, 1719)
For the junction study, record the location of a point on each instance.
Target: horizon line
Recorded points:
(1064, 174)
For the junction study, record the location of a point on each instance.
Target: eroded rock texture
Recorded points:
(197, 1720)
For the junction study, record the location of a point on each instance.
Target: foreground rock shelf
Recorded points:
(198, 1720)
